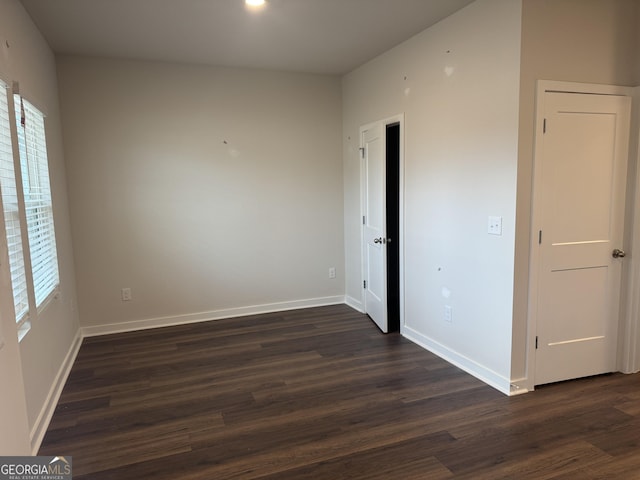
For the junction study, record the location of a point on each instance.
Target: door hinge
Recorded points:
(540, 237)
(361, 152)
(365, 284)
(364, 220)
(544, 126)
(536, 342)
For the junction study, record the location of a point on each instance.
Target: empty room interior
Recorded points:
(447, 190)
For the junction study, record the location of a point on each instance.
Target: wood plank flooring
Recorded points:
(321, 394)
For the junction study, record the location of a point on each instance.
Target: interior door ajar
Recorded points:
(583, 160)
(374, 234)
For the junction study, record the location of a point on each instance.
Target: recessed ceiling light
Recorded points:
(255, 3)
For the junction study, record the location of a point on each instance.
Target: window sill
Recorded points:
(54, 295)
(23, 329)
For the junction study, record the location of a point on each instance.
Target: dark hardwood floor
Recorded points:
(321, 394)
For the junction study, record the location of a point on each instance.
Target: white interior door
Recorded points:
(374, 233)
(583, 159)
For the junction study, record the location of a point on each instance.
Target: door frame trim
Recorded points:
(384, 123)
(629, 358)
(626, 322)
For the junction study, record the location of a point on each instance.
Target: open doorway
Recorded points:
(393, 225)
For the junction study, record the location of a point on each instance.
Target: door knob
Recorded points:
(378, 240)
(617, 253)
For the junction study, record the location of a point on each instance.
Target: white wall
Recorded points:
(458, 85)
(592, 41)
(208, 191)
(14, 423)
(26, 58)
(629, 345)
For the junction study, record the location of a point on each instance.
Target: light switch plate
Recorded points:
(495, 226)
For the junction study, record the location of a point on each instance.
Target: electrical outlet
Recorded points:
(126, 294)
(332, 272)
(494, 226)
(448, 316)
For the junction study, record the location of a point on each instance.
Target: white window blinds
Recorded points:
(37, 198)
(11, 213)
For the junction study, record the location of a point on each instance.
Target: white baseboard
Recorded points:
(491, 378)
(355, 304)
(42, 422)
(146, 324)
(519, 386)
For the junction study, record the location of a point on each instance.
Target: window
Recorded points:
(12, 216)
(34, 168)
(29, 210)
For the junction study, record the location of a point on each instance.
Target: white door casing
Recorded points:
(579, 199)
(374, 223)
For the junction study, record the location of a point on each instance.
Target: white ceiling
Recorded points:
(316, 36)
